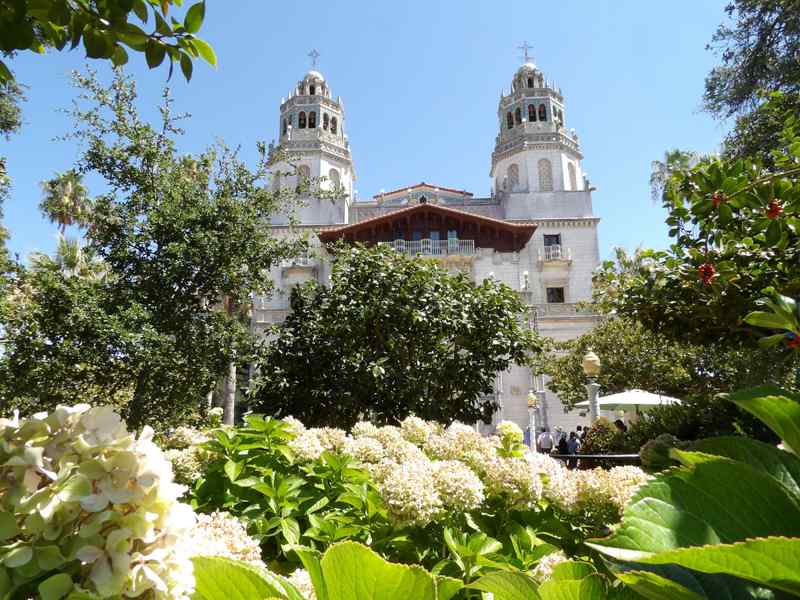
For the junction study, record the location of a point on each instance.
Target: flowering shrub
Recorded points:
(86, 504)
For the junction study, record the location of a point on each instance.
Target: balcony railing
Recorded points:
(450, 247)
(555, 253)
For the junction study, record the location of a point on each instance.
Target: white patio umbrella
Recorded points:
(630, 399)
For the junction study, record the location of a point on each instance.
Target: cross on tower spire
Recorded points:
(313, 55)
(525, 47)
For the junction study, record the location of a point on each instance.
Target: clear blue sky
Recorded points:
(420, 83)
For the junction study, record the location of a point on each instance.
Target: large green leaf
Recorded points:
(655, 587)
(778, 409)
(711, 500)
(447, 587)
(783, 466)
(354, 572)
(225, 579)
(505, 585)
(592, 587)
(311, 561)
(772, 562)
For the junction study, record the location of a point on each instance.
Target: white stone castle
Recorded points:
(536, 231)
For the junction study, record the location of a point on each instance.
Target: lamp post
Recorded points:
(591, 368)
(533, 403)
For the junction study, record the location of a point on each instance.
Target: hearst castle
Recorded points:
(536, 231)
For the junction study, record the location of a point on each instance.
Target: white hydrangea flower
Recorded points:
(221, 534)
(458, 486)
(410, 493)
(294, 425)
(510, 431)
(301, 580)
(306, 446)
(363, 429)
(513, 480)
(415, 430)
(388, 435)
(401, 451)
(330, 438)
(184, 437)
(365, 450)
(544, 569)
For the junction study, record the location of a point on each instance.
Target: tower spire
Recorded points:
(313, 55)
(526, 58)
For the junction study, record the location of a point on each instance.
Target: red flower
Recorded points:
(794, 342)
(707, 273)
(774, 209)
(717, 198)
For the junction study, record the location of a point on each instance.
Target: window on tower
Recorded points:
(313, 90)
(545, 175)
(513, 176)
(325, 121)
(542, 113)
(555, 295)
(334, 125)
(531, 113)
(301, 120)
(530, 82)
(510, 120)
(518, 116)
(312, 119)
(284, 127)
(573, 177)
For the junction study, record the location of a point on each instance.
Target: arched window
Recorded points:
(301, 120)
(334, 125)
(510, 120)
(313, 90)
(573, 178)
(284, 127)
(513, 176)
(303, 176)
(518, 116)
(545, 175)
(312, 119)
(335, 179)
(542, 113)
(531, 113)
(530, 82)
(325, 121)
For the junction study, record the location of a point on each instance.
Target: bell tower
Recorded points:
(313, 145)
(536, 158)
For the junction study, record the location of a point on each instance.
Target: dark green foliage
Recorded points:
(391, 336)
(604, 437)
(107, 30)
(176, 234)
(759, 133)
(10, 111)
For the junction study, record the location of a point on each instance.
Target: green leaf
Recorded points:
(778, 409)
(783, 466)
(5, 73)
(570, 570)
(194, 17)
(140, 8)
(233, 469)
(592, 587)
(225, 579)
(97, 44)
(187, 67)
(18, 557)
(712, 500)
(767, 320)
(56, 587)
(154, 53)
(311, 563)
(773, 562)
(447, 587)
(120, 56)
(354, 572)
(655, 587)
(8, 526)
(291, 530)
(507, 585)
(205, 50)
(773, 234)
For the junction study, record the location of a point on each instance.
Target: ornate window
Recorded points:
(542, 113)
(312, 119)
(530, 82)
(545, 175)
(518, 116)
(284, 127)
(335, 179)
(325, 121)
(301, 120)
(555, 295)
(531, 113)
(513, 176)
(573, 177)
(509, 120)
(303, 176)
(313, 90)
(334, 125)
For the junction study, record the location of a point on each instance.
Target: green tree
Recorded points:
(66, 201)
(391, 336)
(176, 234)
(10, 122)
(661, 170)
(107, 30)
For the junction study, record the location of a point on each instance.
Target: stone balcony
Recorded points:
(555, 254)
(434, 248)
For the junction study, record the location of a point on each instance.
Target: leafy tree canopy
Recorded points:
(392, 336)
(175, 234)
(107, 29)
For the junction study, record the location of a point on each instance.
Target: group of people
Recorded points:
(560, 443)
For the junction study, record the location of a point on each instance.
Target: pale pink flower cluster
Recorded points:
(221, 534)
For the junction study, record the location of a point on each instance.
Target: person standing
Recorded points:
(545, 441)
(573, 447)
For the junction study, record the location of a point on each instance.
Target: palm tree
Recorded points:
(71, 259)
(65, 200)
(661, 171)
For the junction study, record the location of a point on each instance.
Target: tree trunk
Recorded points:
(229, 402)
